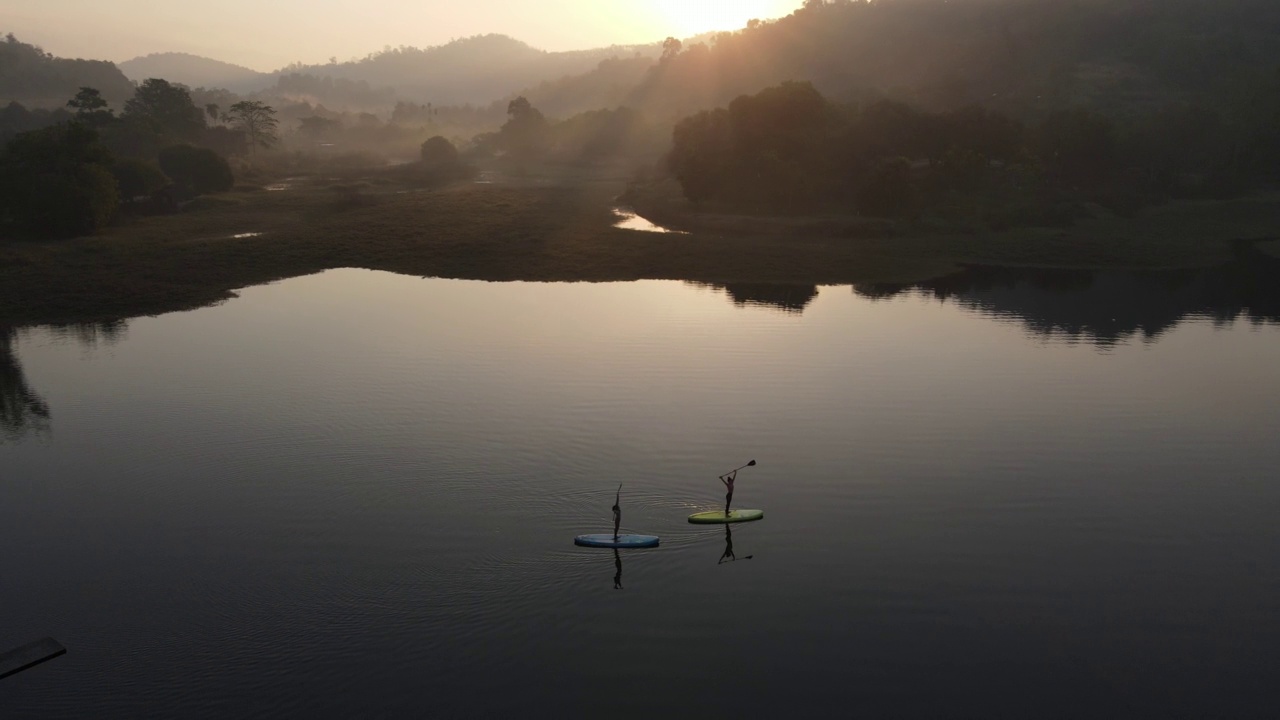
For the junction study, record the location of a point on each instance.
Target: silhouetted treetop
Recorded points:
(167, 107)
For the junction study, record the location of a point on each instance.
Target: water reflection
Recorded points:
(728, 555)
(629, 220)
(22, 410)
(1108, 307)
(91, 335)
(1102, 307)
(949, 501)
(787, 298)
(1105, 307)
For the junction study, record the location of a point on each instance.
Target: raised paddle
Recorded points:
(750, 464)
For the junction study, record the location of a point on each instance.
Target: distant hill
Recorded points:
(195, 71)
(36, 79)
(1022, 57)
(475, 70)
(611, 84)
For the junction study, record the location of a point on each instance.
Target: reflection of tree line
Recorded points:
(1104, 307)
(1107, 307)
(789, 298)
(22, 410)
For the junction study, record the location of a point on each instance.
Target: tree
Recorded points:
(701, 154)
(167, 108)
(224, 140)
(91, 108)
(211, 109)
(54, 182)
(524, 135)
(200, 169)
(257, 121)
(438, 152)
(317, 127)
(888, 190)
(137, 177)
(16, 119)
(768, 149)
(1076, 146)
(670, 48)
(519, 107)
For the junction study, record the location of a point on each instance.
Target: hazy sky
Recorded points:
(267, 34)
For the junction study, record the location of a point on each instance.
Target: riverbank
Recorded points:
(1174, 234)
(536, 228)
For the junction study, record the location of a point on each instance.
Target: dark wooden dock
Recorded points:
(29, 655)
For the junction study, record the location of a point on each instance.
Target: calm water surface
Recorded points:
(1001, 494)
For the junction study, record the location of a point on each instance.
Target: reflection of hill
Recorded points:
(22, 410)
(1107, 307)
(789, 298)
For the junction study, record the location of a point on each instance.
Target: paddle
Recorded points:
(750, 464)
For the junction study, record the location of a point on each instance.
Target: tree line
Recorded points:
(789, 149)
(72, 177)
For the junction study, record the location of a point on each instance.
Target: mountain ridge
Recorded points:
(194, 71)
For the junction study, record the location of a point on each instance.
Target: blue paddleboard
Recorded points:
(605, 540)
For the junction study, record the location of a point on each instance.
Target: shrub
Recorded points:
(439, 152)
(137, 177)
(54, 182)
(888, 190)
(201, 169)
(63, 205)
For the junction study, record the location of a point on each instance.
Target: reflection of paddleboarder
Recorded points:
(617, 564)
(728, 555)
(617, 513)
(728, 483)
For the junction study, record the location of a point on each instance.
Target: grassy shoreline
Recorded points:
(539, 229)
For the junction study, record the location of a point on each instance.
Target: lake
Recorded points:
(1004, 493)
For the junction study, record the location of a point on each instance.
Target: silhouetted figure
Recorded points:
(617, 513)
(617, 576)
(728, 483)
(728, 555)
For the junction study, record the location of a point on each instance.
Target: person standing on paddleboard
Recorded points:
(617, 513)
(728, 483)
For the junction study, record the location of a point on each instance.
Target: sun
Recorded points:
(685, 18)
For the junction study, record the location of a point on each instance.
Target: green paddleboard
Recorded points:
(718, 516)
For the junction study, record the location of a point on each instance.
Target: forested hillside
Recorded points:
(36, 79)
(1021, 57)
(473, 70)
